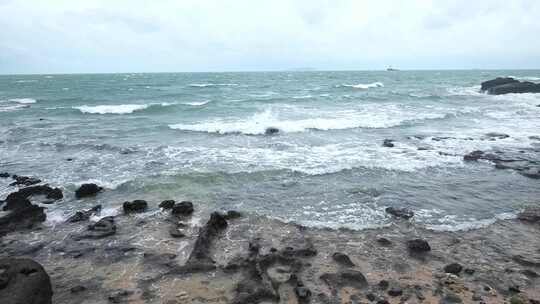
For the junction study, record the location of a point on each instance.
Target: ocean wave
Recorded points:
(13, 108)
(351, 119)
(23, 100)
(363, 86)
(119, 109)
(196, 103)
(303, 97)
(204, 85)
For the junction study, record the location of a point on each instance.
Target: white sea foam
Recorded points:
(13, 108)
(112, 109)
(196, 103)
(119, 109)
(364, 86)
(370, 117)
(302, 97)
(23, 100)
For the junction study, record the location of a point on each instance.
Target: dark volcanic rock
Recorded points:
(453, 268)
(167, 204)
(50, 193)
(86, 190)
(389, 143)
(518, 87)
(135, 206)
(182, 208)
(232, 214)
(103, 228)
(486, 85)
(23, 281)
(395, 291)
(342, 259)
(24, 180)
(200, 257)
(400, 212)
(384, 241)
(530, 214)
(271, 131)
(4, 175)
(22, 215)
(347, 278)
(418, 246)
(495, 135)
(84, 215)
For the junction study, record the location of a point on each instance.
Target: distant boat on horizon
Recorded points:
(391, 69)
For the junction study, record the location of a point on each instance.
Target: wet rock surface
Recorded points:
(234, 258)
(87, 190)
(135, 206)
(523, 163)
(24, 281)
(403, 213)
(508, 85)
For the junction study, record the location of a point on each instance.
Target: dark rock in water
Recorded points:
(342, 259)
(167, 204)
(469, 271)
(103, 228)
(135, 206)
(517, 87)
(395, 291)
(84, 215)
(347, 278)
(384, 241)
(530, 214)
(418, 246)
(400, 212)
(531, 172)
(183, 208)
(303, 293)
(232, 214)
(50, 193)
(200, 257)
(383, 284)
(495, 135)
(175, 232)
(389, 143)
(22, 215)
(77, 289)
(486, 85)
(271, 131)
(4, 175)
(453, 268)
(474, 155)
(24, 180)
(120, 296)
(450, 298)
(24, 281)
(86, 190)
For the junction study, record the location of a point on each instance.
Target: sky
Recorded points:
(80, 36)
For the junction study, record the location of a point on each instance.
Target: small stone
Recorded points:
(371, 297)
(400, 212)
(453, 268)
(383, 284)
(418, 246)
(167, 204)
(183, 208)
(469, 271)
(395, 292)
(514, 288)
(389, 143)
(342, 259)
(271, 131)
(77, 289)
(176, 233)
(384, 241)
(135, 206)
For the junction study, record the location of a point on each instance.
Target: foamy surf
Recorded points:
(196, 103)
(364, 86)
(204, 85)
(258, 123)
(118, 109)
(23, 100)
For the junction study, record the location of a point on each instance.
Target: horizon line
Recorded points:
(292, 70)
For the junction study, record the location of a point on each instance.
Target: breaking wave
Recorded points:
(119, 109)
(204, 85)
(258, 123)
(364, 86)
(23, 100)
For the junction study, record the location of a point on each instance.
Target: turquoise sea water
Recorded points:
(201, 136)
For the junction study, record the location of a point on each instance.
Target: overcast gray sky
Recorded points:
(238, 35)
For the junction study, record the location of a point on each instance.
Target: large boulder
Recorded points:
(86, 190)
(135, 206)
(486, 85)
(48, 192)
(507, 85)
(182, 208)
(22, 214)
(520, 87)
(24, 281)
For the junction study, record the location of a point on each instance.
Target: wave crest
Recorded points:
(204, 85)
(363, 86)
(23, 100)
(119, 109)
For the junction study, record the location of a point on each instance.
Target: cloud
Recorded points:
(114, 36)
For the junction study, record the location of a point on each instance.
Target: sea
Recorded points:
(204, 137)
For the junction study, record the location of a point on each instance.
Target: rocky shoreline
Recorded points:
(167, 252)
